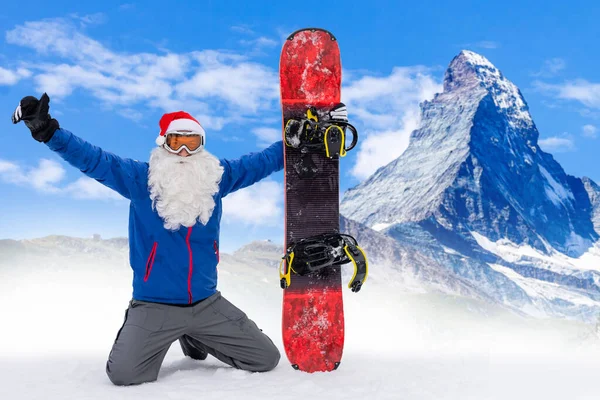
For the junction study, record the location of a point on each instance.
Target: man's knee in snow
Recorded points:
(273, 357)
(270, 358)
(123, 375)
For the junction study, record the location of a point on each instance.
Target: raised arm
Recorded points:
(118, 174)
(251, 168)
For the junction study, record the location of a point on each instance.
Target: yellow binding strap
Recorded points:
(356, 267)
(342, 147)
(288, 270)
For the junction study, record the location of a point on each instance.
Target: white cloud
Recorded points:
(590, 131)
(86, 188)
(9, 77)
(557, 144)
(482, 44)
(267, 136)
(487, 44)
(243, 29)
(131, 114)
(587, 93)
(551, 67)
(57, 37)
(191, 81)
(89, 19)
(388, 108)
(259, 45)
(43, 177)
(9, 170)
(47, 176)
(250, 87)
(259, 204)
(260, 42)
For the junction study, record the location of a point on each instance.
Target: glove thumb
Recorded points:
(43, 105)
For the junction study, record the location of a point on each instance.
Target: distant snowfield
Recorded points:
(559, 262)
(59, 324)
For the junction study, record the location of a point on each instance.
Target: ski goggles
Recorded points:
(176, 142)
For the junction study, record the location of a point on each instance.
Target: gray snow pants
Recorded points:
(223, 330)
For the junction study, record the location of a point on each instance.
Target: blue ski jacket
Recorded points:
(176, 267)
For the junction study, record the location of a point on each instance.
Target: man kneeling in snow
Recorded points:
(174, 218)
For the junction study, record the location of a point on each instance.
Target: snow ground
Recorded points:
(59, 324)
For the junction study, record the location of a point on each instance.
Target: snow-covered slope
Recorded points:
(62, 302)
(593, 191)
(474, 167)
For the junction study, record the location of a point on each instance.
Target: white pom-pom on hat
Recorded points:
(160, 140)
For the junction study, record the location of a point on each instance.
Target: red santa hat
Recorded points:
(181, 123)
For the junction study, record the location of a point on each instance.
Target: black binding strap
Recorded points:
(310, 255)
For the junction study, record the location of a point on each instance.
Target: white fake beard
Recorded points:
(182, 188)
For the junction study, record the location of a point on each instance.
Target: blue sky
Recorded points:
(113, 69)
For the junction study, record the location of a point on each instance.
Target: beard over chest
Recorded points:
(182, 189)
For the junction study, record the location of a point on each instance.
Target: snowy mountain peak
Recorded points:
(475, 194)
(474, 58)
(469, 70)
(474, 165)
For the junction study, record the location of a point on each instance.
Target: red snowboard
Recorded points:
(313, 314)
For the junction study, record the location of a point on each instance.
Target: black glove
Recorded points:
(34, 113)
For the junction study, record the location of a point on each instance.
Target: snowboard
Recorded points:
(313, 312)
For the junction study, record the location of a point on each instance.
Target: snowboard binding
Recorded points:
(313, 254)
(318, 134)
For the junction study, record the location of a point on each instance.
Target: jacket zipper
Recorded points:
(217, 251)
(150, 261)
(191, 267)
